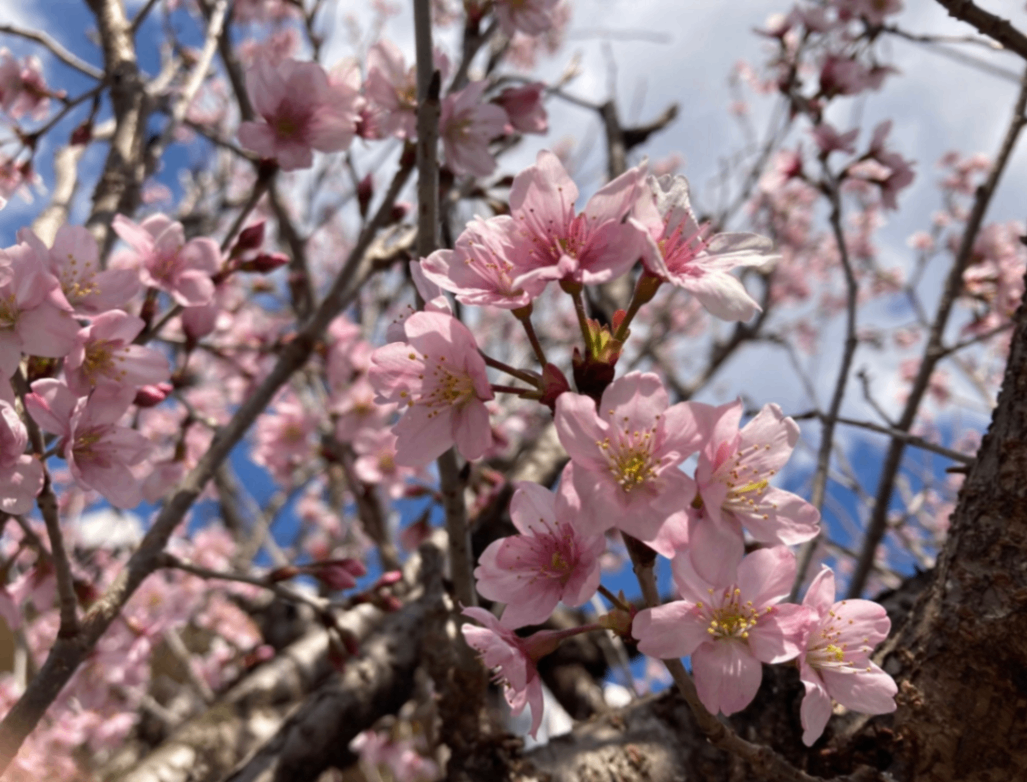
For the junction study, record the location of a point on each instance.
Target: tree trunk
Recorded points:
(963, 695)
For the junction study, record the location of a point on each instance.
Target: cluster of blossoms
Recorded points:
(66, 321)
(627, 446)
(303, 108)
(23, 92)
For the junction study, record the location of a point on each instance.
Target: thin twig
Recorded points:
(56, 50)
(182, 101)
(144, 12)
(831, 187)
(988, 24)
(47, 503)
(910, 439)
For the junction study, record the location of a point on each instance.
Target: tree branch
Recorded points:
(828, 421)
(988, 24)
(56, 50)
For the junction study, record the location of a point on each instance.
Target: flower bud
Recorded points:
(365, 192)
(250, 238)
(336, 574)
(264, 263)
(152, 395)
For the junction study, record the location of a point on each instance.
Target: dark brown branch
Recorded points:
(987, 24)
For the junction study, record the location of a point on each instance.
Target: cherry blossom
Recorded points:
(168, 262)
(357, 411)
(625, 455)
(284, 438)
(729, 626)
(438, 374)
(733, 484)
(34, 318)
(525, 108)
(886, 169)
(480, 269)
(514, 659)
(391, 88)
(874, 11)
(679, 250)
(74, 261)
(21, 475)
(104, 353)
(434, 301)
(376, 461)
(22, 88)
(533, 17)
(835, 664)
(549, 562)
(302, 109)
(830, 140)
(97, 449)
(466, 126)
(402, 760)
(554, 243)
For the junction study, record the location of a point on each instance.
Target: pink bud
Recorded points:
(152, 395)
(264, 263)
(400, 210)
(390, 578)
(82, 135)
(250, 238)
(365, 192)
(554, 383)
(283, 573)
(337, 573)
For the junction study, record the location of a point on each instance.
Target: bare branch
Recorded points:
(185, 96)
(830, 185)
(124, 169)
(47, 502)
(910, 439)
(988, 24)
(56, 50)
(428, 108)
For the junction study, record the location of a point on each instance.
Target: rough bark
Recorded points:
(207, 747)
(317, 736)
(963, 701)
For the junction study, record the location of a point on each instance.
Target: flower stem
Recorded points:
(510, 389)
(616, 601)
(523, 314)
(645, 289)
(520, 374)
(579, 310)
